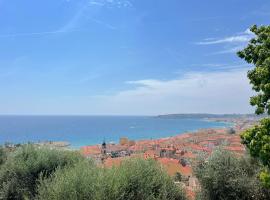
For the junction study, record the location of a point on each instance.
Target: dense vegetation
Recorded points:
(40, 173)
(3, 155)
(20, 172)
(258, 53)
(223, 176)
(134, 179)
(257, 139)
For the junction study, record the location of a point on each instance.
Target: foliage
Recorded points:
(224, 177)
(178, 176)
(78, 182)
(3, 155)
(20, 173)
(257, 139)
(134, 179)
(142, 179)
(258, 53)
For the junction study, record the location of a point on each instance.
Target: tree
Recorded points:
(258, 53)
(178, 176)
(257, 139)
(134, 179)
(3, 155)
(20, 173)
(224, 176)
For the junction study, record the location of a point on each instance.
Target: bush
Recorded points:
(141, 179)
(225, 176)
(20, 173)
(257, 140)
(3, 155)
(133, 180)
(178, 176)
(78, 182)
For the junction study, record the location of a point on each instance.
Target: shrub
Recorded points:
(20, 173)
(133, 180)
(78, 182)
(225, 176)
(257, 140)
(178, 176)
(3, 155)
(141, 179)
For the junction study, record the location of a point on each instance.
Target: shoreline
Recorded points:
(205, 139)
(236, 123)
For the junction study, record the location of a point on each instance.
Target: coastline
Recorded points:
(223, 123)
(177, 154)
(90, 130)
(193, 142)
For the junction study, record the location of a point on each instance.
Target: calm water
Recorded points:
(84, 130)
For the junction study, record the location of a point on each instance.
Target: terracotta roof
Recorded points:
(173, 166)
(239, 149)
(189, 155)
(90, 150)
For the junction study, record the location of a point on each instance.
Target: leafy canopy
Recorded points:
(135, 179)
(258, 53)
(20, 173)
(257, 139)
(225, 176)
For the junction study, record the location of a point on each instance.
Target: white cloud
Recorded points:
(85, 14)
(102, 23)
(222, 66)
(209, 92)
(35, 33)
(195, 92)
(111, 3)
(230, 49)
(230, 44)
(240, 38)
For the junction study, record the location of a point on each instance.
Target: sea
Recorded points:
(88, 130)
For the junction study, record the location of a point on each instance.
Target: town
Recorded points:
(176, 154)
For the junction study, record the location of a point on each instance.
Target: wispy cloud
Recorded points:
(215, 92)
(35, 33)
(106, 25)
(239, 38)
(223, 66)
(232, 49)
(230, 44)
(81, 15)
(84, 14)
(111, 3)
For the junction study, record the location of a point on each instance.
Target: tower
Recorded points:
(103, 148)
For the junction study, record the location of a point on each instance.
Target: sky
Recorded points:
(126, 57)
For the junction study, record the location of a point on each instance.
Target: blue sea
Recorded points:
(87, 130)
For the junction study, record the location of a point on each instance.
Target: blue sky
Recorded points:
(125, 57)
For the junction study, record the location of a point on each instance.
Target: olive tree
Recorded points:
(134, 179)
(224, 176)
(20, 173)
